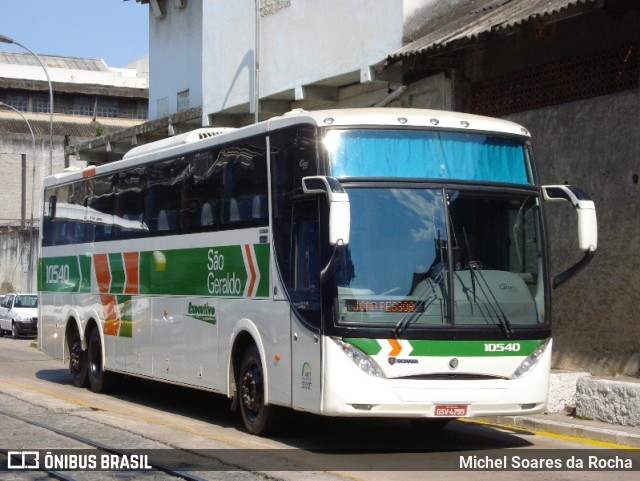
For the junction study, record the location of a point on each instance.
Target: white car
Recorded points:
(19, 315)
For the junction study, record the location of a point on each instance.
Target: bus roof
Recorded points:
(403, 117)
(375, 116)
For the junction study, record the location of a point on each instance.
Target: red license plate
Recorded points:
(449, 411)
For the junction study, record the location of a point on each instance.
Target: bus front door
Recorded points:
(305, 306)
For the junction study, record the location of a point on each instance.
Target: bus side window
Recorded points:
(101, 201)
(293, 156)
(164, 195)
(128, 219)
(49, 209)
(245, 184)
(200, 193)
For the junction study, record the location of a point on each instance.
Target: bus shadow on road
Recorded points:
(310, 432)
(57, 376)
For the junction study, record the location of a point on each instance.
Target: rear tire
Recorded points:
(100, 381)
(258, 418)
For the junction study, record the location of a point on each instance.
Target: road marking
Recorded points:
(539, 432)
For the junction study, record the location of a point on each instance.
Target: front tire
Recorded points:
(100, 381)
(258, 418)
(15, 333)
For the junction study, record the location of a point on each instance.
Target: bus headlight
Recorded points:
(359, 358)
(531, 360)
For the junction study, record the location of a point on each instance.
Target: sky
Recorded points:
(116, 31)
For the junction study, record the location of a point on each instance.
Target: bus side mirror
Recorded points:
(586, 209)
(339, 208)
(587, 224)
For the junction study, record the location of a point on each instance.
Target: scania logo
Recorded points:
(394, 360)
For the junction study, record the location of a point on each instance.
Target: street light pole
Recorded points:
(256, 65)
(33, 189)
(9, 40)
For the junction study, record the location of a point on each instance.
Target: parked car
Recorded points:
(19, 315)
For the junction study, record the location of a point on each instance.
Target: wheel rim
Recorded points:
(75, 357)
(251, 392)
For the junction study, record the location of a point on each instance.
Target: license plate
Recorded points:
(451, 411)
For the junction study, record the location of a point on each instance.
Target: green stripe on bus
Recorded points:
(262, 255)
(117, 273)
(227, 271)
(126, 317)
(65, 274)
(368, 346)
(473, 348)
(215, 271)
(486, 348)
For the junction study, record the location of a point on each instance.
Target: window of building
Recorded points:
(183, 100)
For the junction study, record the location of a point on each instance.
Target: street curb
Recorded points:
(574, 429)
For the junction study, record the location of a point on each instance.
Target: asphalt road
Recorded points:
(308, 446)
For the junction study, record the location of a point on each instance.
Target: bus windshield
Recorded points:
(435, 257)
(426, 154)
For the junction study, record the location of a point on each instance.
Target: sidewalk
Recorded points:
(565, 425)
(605, 410)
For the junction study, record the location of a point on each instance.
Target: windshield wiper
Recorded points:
(484, 287)
(422, 303)
(489, 299)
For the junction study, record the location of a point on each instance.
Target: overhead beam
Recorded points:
(157, 7)
(275, 106)
(317, 92)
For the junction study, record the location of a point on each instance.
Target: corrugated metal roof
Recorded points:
(54, 61)
(11, 123)
(471, 20)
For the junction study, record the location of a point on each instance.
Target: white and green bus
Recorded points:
(358, 262)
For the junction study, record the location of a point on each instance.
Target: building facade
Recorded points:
(89, 100)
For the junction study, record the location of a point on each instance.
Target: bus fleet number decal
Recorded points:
(57, 274)
(498, 347)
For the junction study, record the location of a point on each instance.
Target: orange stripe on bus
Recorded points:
(252, 284)
(111, 318)
(103, 274)
(395, 347)
(131, 267)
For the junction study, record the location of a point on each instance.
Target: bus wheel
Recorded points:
(258, 418)
(77, 361)
(99, 380)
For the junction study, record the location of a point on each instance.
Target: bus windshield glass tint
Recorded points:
(427, 154)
